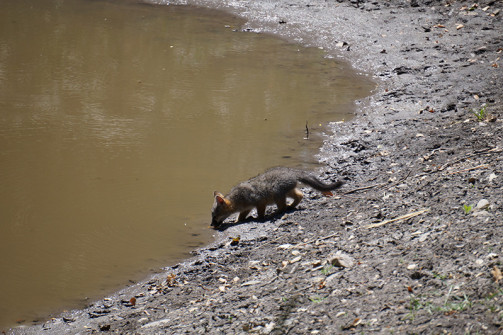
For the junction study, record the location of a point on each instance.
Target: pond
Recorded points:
(118, 120)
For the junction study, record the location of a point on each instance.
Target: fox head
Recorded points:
(221, 209)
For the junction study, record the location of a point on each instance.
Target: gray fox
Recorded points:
(270, 187)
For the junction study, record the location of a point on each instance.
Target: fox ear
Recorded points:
(219, 197)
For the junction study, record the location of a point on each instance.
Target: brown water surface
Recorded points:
(119, 120)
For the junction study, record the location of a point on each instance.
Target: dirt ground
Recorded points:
(412, 244)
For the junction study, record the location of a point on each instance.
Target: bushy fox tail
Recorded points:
(318, 185)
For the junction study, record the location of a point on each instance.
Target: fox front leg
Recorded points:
(242, 216)
(261, 212)
(281, 203)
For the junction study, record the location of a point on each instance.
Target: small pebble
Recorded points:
(483, 204)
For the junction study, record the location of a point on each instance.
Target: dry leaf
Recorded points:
(235, 240)
(496, 272)
(132, 301)
(322, 284)
(356, 322)
(171, 280)
(352, 325)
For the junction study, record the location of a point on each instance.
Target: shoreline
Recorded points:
(412, 158)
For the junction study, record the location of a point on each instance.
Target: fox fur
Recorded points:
(273, 186)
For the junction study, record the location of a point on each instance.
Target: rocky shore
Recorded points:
(411, 244)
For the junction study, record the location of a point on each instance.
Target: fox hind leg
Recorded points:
(296, 195)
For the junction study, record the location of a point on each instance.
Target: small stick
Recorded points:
(364, 188)
(400, 180)
(400, 218)
(488, 150)
(269, 281)
(301, 289)
(378, 185)
(320, 239)
(483, 166)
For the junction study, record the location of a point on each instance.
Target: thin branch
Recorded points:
(483, 166)
(320, 239)
(400, 218)
(476, 153)
(379, 185)
(365, 188)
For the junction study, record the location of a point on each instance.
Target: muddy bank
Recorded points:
(411, 244)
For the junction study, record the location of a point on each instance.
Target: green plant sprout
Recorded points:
(326, 270)
(316, 299)
(481, 114)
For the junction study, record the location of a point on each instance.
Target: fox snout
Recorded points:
(217, 217)
(215, 223)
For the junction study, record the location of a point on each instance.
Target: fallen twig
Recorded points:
(476, 153)
(301, 289)
(320, 239)
(364, 188)
(483, 166)
(389, 185)
(400, 180)
(400, 218)
(269, 281)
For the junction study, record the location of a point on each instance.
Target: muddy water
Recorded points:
(117, 123)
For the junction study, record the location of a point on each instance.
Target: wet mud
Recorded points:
(410, 244)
